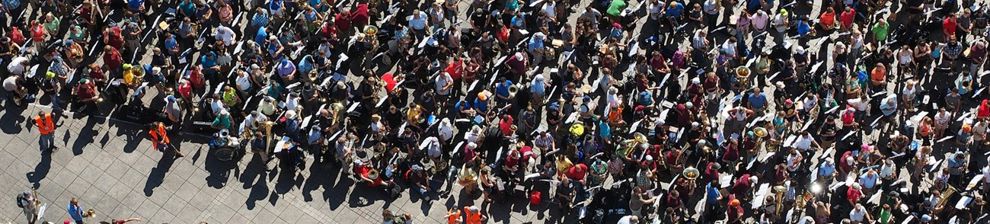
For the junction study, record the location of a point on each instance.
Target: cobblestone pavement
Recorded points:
(110, 167)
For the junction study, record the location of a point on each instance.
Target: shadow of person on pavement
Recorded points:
(157, 175)
(9, 122)
(40, 170)
(85, 136)
(253, 177)
(219, 170)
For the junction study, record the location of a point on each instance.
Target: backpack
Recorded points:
(21, 201)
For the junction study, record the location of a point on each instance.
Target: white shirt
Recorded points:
(244, 82)
(550, 9)
(225, 34)
(16, 67)
(803, 142)
(857, 215)
(442, 80)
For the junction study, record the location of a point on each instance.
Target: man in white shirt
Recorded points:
(859, 215)
(18, 65)
(443, 84)
(226, 35)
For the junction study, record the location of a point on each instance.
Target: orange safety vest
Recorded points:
(472, 218)
(158, 135)
(452, 217)
(45, 126)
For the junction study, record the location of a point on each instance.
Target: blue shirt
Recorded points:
(757, 101)
(503, 89)
(675, 11)
(260, 19)
(480, 105)
(538, 88)
(869, 181)
(306, 64)
(418, 24)
(75, 212)
(170, 43)
(712, 193)
(803, 28)
(135, 4)
(535, 43)
(206, 61)
(826, 170)
(285, 67)
(261, 36)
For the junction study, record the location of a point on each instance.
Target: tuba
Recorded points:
(370, 30)
(779, 191)
(691, 173)
(513, 89)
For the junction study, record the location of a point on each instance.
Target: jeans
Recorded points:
(47, 141)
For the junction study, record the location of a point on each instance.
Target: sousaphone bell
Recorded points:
(370, 30)
(691, 173)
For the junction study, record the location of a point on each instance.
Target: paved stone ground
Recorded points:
(112, 169)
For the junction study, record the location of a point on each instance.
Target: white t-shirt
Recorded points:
(442, 80)
(226, 35)
(10, 83)
(16, 67)
(244, 82)
(857, 215)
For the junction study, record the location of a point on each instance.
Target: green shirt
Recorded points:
(616, 7)
(885, 216)
(880, 31)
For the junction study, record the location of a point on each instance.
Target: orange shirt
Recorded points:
(45, 126)
(159, 135)
(879, 74)
(453, 216)
(472, 218)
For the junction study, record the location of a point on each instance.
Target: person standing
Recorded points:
(46, 127)
(75, 211)
(29, 204)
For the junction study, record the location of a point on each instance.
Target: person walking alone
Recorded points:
(46, 127)
(159, 136)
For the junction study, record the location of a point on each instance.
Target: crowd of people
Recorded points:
(676, 111)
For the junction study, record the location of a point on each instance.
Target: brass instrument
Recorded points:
(370, 30)
(513, 89)
(742, 76)
(89, 213)
(691, 173)
(373, 174)
(944, 198)
(779, 193)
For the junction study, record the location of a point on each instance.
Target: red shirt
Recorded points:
(38, 33)
(853, 195)
(454, 68)
(360, 15)
(847, 18)
(112, 59)
(17, 36)
(343, 21)
(949, 26)
(576, 172)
